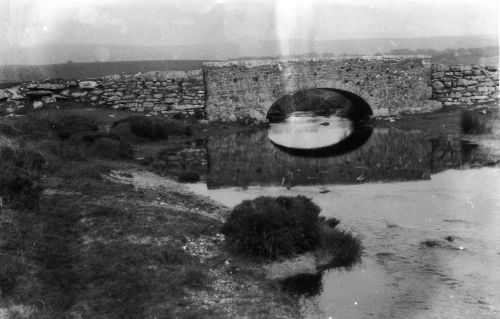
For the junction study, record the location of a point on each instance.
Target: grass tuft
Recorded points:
(475, 123)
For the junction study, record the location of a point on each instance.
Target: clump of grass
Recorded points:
(430, 243)
(67, 125)
(152, 128)
(11, 269)
(105, 211)
(194, 278)
(19, 178)
(39, 125)
(8, 130)
(474, 123)
(105, 147)
(172, 255)
(273, 227)
(188, 177)
(345, 248)
(123, 131)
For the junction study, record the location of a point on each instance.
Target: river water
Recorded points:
(425, 206)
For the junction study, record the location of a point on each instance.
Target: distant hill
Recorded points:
(446, 50)
(19, 73)
(244, 46)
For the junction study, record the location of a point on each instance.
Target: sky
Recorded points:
(28, 23)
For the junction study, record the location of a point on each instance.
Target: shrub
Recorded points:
(188, 177)
(273, 227)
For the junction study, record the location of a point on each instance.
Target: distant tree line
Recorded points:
(447, 56)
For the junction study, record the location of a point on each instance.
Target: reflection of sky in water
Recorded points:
(303, 131)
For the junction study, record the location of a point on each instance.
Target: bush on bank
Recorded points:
(271, 228)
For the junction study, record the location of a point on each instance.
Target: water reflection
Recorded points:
(389, 154)
(307, 285)
(306, 132)
(302, 134)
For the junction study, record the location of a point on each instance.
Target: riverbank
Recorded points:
(106, 238)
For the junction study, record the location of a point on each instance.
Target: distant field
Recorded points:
(20, 73)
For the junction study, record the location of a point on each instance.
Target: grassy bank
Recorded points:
(86, 232)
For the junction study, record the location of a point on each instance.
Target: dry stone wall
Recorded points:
(464, 84)
(153, 93)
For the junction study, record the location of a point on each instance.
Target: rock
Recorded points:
(48, 99)
(382, 111)
(37, 104)
(3, 95)
(46, 86)
(72, 83)
(88, 85)
(79, 94)
(437, 85)
(437, 75)
(38, 94)
(60, 97)
(15, 95)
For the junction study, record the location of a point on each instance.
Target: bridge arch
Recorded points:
(320, 101)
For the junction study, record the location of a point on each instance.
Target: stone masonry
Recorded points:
(464, 84)
(153, 93)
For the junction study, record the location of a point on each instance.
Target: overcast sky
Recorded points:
(156, 22)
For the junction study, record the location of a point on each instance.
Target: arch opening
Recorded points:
(319, 122)
(320, 102)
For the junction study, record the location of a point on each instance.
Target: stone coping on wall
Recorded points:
(257, 63)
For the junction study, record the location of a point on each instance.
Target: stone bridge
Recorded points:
(391, 85)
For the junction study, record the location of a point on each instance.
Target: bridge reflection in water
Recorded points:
(388, 154)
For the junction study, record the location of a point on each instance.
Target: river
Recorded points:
(426, 208)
